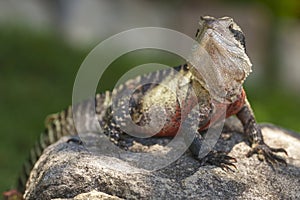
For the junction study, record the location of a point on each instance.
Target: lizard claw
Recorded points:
(220, 159)
(267, 153)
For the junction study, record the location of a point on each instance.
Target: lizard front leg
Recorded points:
(203, 151)
(217, 158)
(254, 135)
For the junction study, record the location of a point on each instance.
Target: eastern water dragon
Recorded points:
(224, 41)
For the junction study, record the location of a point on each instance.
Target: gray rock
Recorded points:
(93, 195)
(98, 170)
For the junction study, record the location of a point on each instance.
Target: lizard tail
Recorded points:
(58, 125)
(62, 124)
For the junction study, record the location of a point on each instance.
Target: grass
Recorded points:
(37, 72)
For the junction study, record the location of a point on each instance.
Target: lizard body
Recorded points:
(225, 43)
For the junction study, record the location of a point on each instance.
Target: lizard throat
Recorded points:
(223, 67)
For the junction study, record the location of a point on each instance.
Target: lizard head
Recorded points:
(224, 42)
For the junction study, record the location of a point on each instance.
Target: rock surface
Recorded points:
(67, 170)
(93, 195)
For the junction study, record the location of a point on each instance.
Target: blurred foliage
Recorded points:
(36, 78)
(283, 8)
(275, 105)
(37, 72)
(279, 8)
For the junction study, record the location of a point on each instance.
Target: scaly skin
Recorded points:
(178, 91)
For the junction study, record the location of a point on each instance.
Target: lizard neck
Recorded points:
(217, 82)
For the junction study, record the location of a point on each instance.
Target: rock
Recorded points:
(93, 195)
(68, 170)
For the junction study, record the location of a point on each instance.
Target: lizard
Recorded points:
(224, 41)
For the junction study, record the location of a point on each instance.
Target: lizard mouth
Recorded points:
(204, 24)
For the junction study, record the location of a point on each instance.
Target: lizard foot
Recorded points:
(265, 152)
(220, 159)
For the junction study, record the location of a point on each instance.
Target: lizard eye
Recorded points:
(238, 35)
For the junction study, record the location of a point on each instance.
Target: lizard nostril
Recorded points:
(208, 20)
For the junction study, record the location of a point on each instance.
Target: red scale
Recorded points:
(171, 128)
